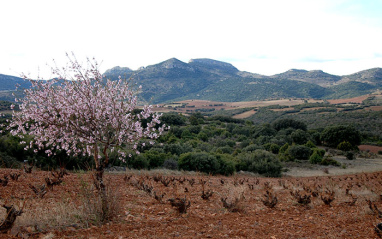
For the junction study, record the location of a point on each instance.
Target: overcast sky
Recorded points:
(266, 37)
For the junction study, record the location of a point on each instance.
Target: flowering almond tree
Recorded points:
(84, 114)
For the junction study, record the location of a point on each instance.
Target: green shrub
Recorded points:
(315, 158)
(156, 157)
(236, 152)
(193, 143)
(172, 119)
(319, 151)
(329, 161)
(349, 155)
(199, 161)
(345, 146)
(226, 134)
(261, 140)
(226, 119)
(177, 131)
(244, 142)
(242, 130)
(177, 148)
(299, 152)
(310, 144)
(171, 163)
(264, 130)
(315, 137)
(171, 138)
(279, 140)
(267, 146)
(230, 143)
(300, 136)
(203, 147)
(203, 136)
(7, 161)
(261, 162)
(252, 147)
(274, 148)
(284, 148)
(138, 162)
(288, 123)
(224, 150)
(219, 142)
(194, 129)
(227, 164)
(230, 127)
(186, 134)
(284, 157)
(334, 135)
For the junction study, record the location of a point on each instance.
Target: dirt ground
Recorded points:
(245, 104)
(61, 213)
(244, 115)
(370, 148)
(360, 165)
(349, 100)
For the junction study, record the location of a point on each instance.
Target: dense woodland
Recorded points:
(220, 144)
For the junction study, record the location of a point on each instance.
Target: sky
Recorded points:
(266, 37)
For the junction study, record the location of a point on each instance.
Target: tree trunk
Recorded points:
(100, 185)
(102, 192)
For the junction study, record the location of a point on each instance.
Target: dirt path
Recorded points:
(244, 115)
(359, 165)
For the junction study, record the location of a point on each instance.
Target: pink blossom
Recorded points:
(81, 112)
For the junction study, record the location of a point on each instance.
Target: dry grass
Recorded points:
(78, 209)
(44, 215)
(233, 198)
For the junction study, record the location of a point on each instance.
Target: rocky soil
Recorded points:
(149, 205)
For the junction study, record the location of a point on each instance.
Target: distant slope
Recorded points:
(174, 79)
(208, 79)
(351, 89)
(317, 77)
(9, 82)
(244, 89)
(8, 86)
(120, 71)
(371, 76)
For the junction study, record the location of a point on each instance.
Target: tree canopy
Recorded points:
(81, 112)
(334, 135)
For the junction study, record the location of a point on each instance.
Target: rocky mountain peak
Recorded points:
(173, 63)
(213, 64)
(118, 70)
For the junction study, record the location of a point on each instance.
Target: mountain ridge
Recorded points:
(204, 78)
(209, 79)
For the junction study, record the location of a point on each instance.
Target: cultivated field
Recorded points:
(243, 206)
(192, 105)
(249, 108)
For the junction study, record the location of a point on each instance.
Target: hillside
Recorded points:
(9, 83)
(317, 77)
(372, 76)
(351, 89)
(207, 79)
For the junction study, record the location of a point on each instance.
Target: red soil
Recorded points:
(142, 216)
(357, 100)
(371, 148)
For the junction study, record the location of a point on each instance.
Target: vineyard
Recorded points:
(166, 204)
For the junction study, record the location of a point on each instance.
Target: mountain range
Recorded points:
(207, 79)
